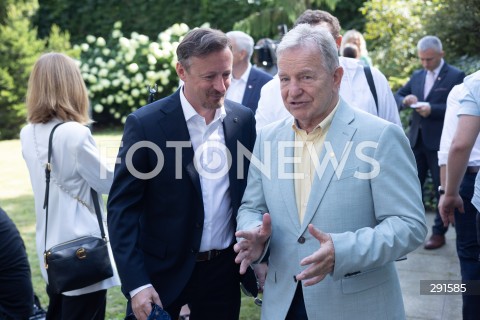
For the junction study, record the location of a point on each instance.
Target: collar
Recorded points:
(436, 71)
(323, 125)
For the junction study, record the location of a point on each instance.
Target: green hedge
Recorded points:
(119, 69)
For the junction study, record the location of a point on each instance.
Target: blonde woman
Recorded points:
(356, 38)
(57, 93)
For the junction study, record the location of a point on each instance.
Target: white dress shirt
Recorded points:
(470, 105)
(450, 126)
(211, 162)
(208, 142)
(237, 87)
(354, 90)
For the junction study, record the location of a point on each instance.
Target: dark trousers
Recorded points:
(297, 309)
(213, 291)
(468, 249)
(427, 160)
(478, 229)
(90, 306)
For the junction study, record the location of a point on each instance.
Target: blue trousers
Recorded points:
(468, 249)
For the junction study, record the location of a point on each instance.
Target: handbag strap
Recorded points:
(371, 84)
(48, 169)
(97, 212)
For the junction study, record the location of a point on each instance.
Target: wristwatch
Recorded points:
(441, 190)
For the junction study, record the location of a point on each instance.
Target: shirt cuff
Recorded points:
(135, 291)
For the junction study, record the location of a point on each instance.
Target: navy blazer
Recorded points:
(432, 125)
(156, 222)
(255, 82)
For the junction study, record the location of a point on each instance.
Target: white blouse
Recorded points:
(76, 167)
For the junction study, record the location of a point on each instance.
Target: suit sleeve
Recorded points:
(402, 93)
(253, 201)
(125, 207)
(399, 211)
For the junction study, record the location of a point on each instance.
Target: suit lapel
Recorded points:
(287, 186)
(338, 138)
(422, 85)
(172, 123)
(231, 129)
(249, 88)
(441, 75)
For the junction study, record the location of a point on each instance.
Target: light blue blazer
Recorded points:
(371, 205)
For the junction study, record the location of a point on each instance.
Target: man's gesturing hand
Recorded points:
(250, 248)
(321, 262)
(142, 302)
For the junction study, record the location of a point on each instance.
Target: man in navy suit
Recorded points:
(247, 80)
(427, 92)
(177, 188)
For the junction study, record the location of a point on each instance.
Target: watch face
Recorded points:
(441, 190)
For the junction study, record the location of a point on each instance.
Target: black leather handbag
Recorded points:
(80, 262)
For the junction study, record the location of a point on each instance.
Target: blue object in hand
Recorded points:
(158, 313)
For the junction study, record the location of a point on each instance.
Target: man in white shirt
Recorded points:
(247, 80)
(354, 88)
(468, 249)
(176, 190)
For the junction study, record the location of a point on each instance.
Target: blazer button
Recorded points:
(198, 225)
(301, 240)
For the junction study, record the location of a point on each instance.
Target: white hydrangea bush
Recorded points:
(118, 70)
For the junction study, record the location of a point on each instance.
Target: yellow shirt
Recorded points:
(308, 148)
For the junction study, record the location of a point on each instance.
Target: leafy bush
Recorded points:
(146, 17)
(393, 29)
(457, 25)
(468, 64)
(19, 49)
(118, 70)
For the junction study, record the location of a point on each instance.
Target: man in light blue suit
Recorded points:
(332, 193)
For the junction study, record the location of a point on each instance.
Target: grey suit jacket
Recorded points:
(371, 205)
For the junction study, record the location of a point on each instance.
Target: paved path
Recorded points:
(439, 264)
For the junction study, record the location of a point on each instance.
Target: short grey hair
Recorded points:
(243, 41)
(429, 42)
(305, 35)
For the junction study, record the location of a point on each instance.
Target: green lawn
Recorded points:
(17, 200)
